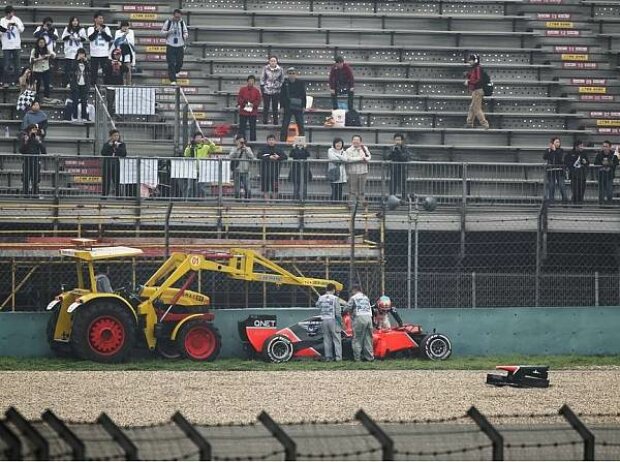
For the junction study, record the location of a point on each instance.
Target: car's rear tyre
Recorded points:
(278, 349)
(60, 349)
(436, 347)
(199, 340)
(104, 332)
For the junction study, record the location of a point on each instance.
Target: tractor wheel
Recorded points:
(278, 349)
(436, 347)
(103, 332)
(167, 348)
(199, 340)
(60, 349)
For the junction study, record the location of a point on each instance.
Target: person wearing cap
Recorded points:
(361, 316)
(341, 82)
(293, 102)
(474, 84)
(331, 317)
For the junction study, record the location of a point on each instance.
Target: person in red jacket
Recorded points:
(341, 82)
(248, 100)
(475, 86)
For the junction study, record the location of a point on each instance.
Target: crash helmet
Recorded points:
(384, 303)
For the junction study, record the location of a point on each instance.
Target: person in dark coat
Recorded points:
(31, 145)
(399, 154)
(111, 151)
(114, 69)
(293, 102)
(79, 81)
(554, 155)
(300, 174)
(272, 157)
(577, 164)
(341, 82)
(607, 160)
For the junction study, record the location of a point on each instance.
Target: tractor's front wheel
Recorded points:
(103, 332)
(199, 340)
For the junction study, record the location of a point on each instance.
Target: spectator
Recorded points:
(248, 101)
(40, 57)
(270, 85)
(357, 157)
(25, 80)
(35, 116)
(293, 100)
(125, 40)
(475, 84)
(114, 70)
(554, 155)
(73, 37)
(577, 164)
(272, 157)
(361, 316)
(79, 81)
(331, 318)
(100, 38)
(176, 34)
(11, 28)
(111, 151)
(48, 32)
(31, 145)
(199, 148)
(608, 161)
(300, 174)
(399, 155)
(241, 155)
(341, 82)
(337, 158)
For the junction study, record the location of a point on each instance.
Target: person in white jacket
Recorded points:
(73, 38)
(125, 40)
(11, 28)
(48, 32)
(357, 157)
(100, 38)
(337, 157)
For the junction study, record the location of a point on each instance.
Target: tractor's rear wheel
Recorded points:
(104, 332)
(60, 349)
(199, 340)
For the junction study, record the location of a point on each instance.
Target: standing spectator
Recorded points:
(361, 315)
(31, 145)
(79, 81)
(125, 40)
(554, 155)
(300, 174)
(35, 116)
(114, 70)
(399, 155)
(199, 148)
(331, 318)
(337, 158)
(577, 164)
(475, 85)
(293, 100)
(73, 38)
(608, 161)
(100, 38)
(241, 155)
(11, 28)
(357, 157)
(176, 34)
(40, 57)
(111, 151)
(48, 32)
(270, 85)
(341, 82)
(248, 101)
(272, 157)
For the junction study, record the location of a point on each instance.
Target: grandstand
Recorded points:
(555, 68)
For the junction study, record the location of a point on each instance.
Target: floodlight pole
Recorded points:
(412, 207)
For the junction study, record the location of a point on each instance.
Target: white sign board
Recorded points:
(129, 170)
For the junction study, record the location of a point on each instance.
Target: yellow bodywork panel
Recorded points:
(62, 332)
(189, 297)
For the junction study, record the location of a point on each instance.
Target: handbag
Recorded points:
(25, 100)
(333, 174)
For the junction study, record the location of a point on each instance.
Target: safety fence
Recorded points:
(473, 436)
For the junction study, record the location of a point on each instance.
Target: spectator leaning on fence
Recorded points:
(111, 151)
(554, 155)
(48, 32)
(73, 37)
(341, 82)
(11, 28)
(100, 38)
(124, 39)
(475, 84)
(241, 156)
(79, 82)
(40, 60)
(299, 173)
(31, 145)
(399, 155)
(577, 164)
(35, 116)
(271, 156)
(607, 160)
(357, 157)
(336, 170)
(199, 148)
(270, 85)
(293, 100)
(248, 100)
(176, 34)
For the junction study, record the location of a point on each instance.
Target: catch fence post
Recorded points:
(290, 447)
(66, 434)
(131, 451)
(580, 427)
(194, 435)
(496, 438)
(387, 443)
(41, 447)
(14, 445)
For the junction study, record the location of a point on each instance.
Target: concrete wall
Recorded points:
(474, 332)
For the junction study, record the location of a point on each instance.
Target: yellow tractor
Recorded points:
(95, 322)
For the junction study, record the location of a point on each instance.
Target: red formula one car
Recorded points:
(262, 338)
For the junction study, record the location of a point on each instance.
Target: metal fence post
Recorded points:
(496, 438)
(131, 451)
(177, 120)
(352, 250)
(167, 229)
(41, 447)
(596, 288)
(387, 444)
(473, 289)
(580, 427)
(290, 447)
(194, 435)
(14, 449)
(409, 250)
(67, 435)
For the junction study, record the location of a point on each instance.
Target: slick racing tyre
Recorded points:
(436, 347)
(277, 349)
(199, 340)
